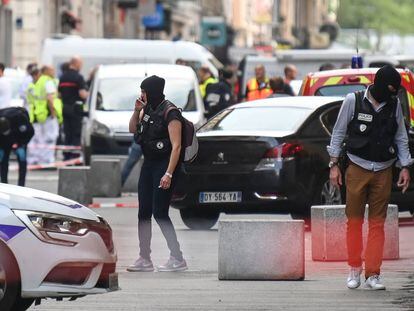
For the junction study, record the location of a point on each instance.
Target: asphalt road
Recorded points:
(199, 288)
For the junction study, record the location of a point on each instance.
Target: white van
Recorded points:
(112, 98)
(96, 52)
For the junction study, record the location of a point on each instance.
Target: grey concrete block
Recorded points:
(261, 250)
(131, 184)
(105, 178)
(329, 233)
(74, 184)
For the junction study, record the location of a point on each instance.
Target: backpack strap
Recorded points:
(359, 98)
(169, 106)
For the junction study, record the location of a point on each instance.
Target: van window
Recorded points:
(120, 93)
(193, 64)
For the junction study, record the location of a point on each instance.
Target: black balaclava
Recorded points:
(154, 88)
(386, 75)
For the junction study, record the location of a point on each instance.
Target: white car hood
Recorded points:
(116, 121)
(22, 198)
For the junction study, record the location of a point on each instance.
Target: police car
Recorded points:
(53, 247)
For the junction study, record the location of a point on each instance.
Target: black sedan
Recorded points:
(266, 156)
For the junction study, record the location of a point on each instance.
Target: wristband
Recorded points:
(168, 174)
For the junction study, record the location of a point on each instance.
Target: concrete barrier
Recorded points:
(261, 249)
(105, 178)
(329, 233)
(74, 184)
(131, 184)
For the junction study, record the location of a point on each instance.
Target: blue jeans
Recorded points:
(134, 154)
(4, 163)
(154, 201)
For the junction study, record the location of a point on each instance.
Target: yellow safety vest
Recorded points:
(58, 104)
(31, 96)
(203, 86)
(40, 107)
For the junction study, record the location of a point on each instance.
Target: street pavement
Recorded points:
(199, 288)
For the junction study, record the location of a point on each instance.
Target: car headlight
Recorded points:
(42, 224)
(100, 128)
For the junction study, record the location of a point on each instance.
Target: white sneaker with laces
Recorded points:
(173, 265)
(141, 265)
(354, 277)
(374, 282)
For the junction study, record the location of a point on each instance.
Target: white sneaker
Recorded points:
(374, 282)
(354, 277)
(141, 265)
(173, 265)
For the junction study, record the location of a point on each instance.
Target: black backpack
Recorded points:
(189, 139)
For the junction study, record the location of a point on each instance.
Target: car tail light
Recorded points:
(285, 150)
(273, 157)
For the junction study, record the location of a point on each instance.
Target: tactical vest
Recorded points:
(152, 133)
(371, 133)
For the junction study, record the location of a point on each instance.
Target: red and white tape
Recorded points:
(32, 167)
(112, 205)
(54, 147)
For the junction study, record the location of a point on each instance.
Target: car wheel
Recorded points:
(9, 280)
(330, 195)
(199, 219)
(22, 304)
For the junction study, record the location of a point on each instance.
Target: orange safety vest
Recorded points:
(253, 91)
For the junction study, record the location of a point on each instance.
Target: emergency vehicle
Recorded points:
(52, 247)
(343, 81)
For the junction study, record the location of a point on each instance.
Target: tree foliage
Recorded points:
(381, 15)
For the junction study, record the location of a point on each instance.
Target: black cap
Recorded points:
(153, 85)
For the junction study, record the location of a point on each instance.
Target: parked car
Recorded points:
(98, 51)
(343, 81)
(51, 247)
(112, 98)
(264, 156)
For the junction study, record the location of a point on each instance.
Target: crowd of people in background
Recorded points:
(55, 104)
(54, 108)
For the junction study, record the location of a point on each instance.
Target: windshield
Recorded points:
(258, 119)
(120, 93)
(339, 90)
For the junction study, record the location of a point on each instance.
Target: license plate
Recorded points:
(113, 281)
(220, 197)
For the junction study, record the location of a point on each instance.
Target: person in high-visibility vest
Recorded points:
(205, 77)
(258, 87)
(45, 122)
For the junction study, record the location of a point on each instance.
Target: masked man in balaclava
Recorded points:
(157, 129)
(377, 138)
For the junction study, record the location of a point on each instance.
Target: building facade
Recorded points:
(293, 22)
(35, 20)
(5, 34)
